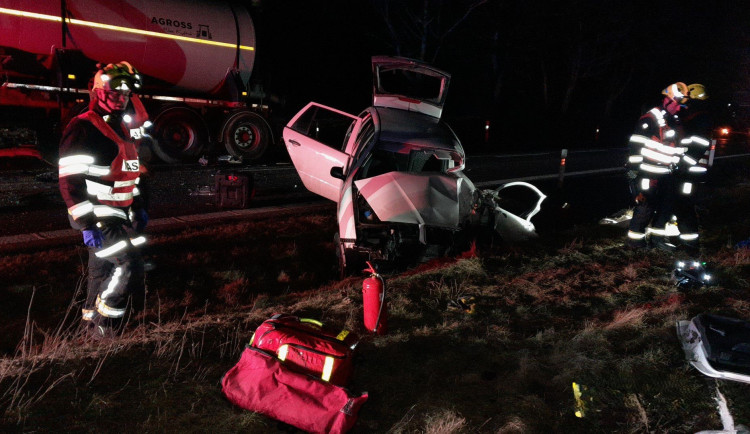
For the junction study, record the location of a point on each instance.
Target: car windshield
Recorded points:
(420, 160)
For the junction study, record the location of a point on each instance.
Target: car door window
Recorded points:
(365, 138)
(324, 126)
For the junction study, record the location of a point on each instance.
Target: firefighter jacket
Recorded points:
(654, 147)
(697, 142)
(99, 171)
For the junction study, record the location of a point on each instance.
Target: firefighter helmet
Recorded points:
(676, 91)
(118, 77)
(697, 91)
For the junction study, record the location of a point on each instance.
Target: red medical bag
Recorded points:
(308, 345)
(262, 383)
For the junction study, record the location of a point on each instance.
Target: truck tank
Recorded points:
(196, 56)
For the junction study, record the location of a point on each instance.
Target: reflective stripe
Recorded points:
(76, 159)
(635, 159)
(123, 183)
(636, 235)
(112, 283)
(87, 314)
(86, 207)
(327, 369)
(695, 139)
(109, 312)
(99, 170)
(80, 209)
(687, 188)
(660, 147)
(689, 237)
(657, 156)
(689, 160)
(80, 164)
(341, 336)
(137, 241)
(72, 169)
(659, 115)
(120, 245)
(653, 169)
(282, 351)
(698, 169)
(645, 183)
(108, 211)
(670, 133)
(104, 192)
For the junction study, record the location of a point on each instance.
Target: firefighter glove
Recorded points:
(140, 220)
(93, 237)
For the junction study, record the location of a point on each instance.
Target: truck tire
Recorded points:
(246, 134)
(180, 134)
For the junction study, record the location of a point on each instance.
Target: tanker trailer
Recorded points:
(196, 57)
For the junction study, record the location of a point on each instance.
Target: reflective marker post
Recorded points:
(561, 173)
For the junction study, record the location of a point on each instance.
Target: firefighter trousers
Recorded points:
(115, 273)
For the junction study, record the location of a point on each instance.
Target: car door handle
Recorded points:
(294, 142)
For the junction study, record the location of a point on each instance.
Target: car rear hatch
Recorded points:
(410, 85)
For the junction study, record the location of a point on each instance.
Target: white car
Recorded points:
(395, 171)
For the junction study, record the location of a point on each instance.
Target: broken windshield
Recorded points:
(408, 160)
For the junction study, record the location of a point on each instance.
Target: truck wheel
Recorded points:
(180, 134)
(246, 134)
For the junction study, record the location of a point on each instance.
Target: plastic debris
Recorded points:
(582, 398)
(464, 304)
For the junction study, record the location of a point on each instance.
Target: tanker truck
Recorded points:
(195, 56)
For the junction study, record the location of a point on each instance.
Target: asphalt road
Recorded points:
(593, 185)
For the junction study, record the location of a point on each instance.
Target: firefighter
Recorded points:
(654, 154)
(99, 173)
(693, 166)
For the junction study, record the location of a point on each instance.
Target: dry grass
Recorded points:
(574, 308)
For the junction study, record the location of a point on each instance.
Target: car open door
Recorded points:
(408, 84)
(317, 139)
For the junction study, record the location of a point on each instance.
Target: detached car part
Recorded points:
(717, 346)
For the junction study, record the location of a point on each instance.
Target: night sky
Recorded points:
(546, 74)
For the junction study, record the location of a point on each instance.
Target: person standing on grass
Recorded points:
(99, 172)
(654, 154)
(693, 166)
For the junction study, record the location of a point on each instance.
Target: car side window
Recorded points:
(365, 137)
(324, 126)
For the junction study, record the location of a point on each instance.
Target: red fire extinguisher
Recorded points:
(373, 300)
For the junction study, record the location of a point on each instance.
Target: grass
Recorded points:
(573, 307)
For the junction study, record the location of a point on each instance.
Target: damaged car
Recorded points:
(396, 172)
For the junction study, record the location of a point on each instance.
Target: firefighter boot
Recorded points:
(99, 328)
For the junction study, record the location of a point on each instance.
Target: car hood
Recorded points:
(423, 199)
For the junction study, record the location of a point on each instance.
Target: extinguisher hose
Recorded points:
(382, 303)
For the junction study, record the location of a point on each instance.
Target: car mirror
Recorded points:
(338, 172)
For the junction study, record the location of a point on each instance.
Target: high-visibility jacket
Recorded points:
(697, 141)
(654, 147)
(99, 170)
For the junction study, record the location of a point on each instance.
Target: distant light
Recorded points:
(71, 76)
(707, 277)
(725, 131)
